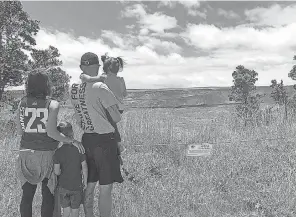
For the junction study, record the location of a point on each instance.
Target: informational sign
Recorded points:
(197, 150)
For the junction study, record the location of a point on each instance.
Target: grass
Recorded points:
(239, 179)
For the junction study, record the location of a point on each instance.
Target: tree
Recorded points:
(279, 94)
(243, 92)
(48, 59)
(292, 73)
(16, 36)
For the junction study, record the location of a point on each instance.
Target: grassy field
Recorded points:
(240, 179)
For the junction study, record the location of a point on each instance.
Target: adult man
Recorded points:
(92, 102)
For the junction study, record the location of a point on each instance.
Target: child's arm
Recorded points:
(57, 166)
(87, 78)
(57, 169)
(84, 172)
(124, 87)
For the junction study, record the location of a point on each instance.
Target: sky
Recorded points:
(173, 44)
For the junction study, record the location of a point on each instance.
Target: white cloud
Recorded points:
(210, 37)
(193, 12)
(155, 63)
(275, 15)
(117, 39)
(159, 22)
(157, 44)
(156, 22)
(190, 5)
(228, 14)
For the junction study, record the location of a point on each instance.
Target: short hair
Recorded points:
(65, 128)
(38, 84)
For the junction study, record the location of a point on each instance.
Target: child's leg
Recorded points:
(74, 212)
(66, 212)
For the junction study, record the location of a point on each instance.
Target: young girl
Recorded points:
(111, 67)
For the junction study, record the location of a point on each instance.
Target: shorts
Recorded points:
(102, 158)
(71, 199)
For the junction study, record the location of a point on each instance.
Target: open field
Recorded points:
(249, 178)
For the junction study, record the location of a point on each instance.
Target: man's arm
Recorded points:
(114, 113)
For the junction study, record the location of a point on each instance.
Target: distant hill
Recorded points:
(178, 97)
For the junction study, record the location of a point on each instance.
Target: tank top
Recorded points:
(33, 119)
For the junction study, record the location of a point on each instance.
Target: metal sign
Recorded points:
(197, 150)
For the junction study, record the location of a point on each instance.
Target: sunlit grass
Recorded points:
(254, 178)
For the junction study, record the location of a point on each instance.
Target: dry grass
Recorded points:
(240, 179)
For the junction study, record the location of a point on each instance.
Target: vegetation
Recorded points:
(243, 91)
(251, 171)
(279, 94)
(17, 33)
(242, 177)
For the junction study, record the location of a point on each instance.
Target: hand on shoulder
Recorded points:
(54, 104)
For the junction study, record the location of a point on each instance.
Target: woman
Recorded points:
(37, 125)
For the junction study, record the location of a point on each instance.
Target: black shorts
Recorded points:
(102, 158)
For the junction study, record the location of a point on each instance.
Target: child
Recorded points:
(115, 83)
(67, 165)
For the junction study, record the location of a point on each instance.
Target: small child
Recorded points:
(68, 163)
(115, 83)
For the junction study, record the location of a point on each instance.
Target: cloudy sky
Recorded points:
(172, 44)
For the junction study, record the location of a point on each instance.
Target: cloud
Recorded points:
(210, 37)
(228, 14)
(154, 63)
(119, 40)
(191, 6)
(193, 12)
(156, 22)
(160, 45)
(275, 15)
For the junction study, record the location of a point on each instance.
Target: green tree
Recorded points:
(17, 33)
(49, 59)
(243, 92)
(279, 94)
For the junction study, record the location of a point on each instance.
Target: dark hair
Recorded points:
(112, 64)
(38, 84)
(65, 128)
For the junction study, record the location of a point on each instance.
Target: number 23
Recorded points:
(36, 112)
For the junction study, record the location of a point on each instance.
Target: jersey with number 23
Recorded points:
(33, 118)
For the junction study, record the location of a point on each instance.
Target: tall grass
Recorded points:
(239, 179)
